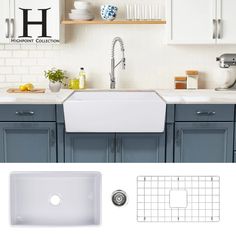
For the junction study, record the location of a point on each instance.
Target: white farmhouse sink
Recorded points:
(115, 111)
(55, 198)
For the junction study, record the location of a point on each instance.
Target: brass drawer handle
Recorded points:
(24, 113)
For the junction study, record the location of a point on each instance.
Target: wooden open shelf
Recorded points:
(115, 22)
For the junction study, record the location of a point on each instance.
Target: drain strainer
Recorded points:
(119, 198)
(55, 200)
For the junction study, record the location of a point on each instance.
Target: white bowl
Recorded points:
(80, 17)
(80, 11)
(81, 5)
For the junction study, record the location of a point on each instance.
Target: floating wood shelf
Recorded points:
(115, 22)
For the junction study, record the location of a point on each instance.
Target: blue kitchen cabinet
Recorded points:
(30, 142)
(204, 142)
(140, 147)
(102, 147)
(89, 147)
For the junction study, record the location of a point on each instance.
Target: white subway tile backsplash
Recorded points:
(28, 46)
(45, 47)
(51, 54)
(13, 78)
(58, 46)
(20, 53)
(37, 70)
(2, 61)
(12, 61)
(36, 53)
(30, 78)
(20, 70)
(4, 70)
(45, 62)
(12, 46)
(29, 62)
(26, 63)
(2, 78)
(5, 53)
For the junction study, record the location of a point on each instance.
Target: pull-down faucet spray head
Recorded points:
(113, 64)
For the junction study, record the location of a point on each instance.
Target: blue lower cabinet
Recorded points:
(200, 142)
(140, 148)
(27, 142)
(89, 148)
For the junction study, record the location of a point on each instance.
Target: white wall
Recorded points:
(150, 63)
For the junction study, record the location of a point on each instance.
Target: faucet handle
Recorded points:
(123, 64)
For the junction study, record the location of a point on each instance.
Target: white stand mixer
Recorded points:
(227, 62)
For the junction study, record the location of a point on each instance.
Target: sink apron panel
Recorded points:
(115, 112)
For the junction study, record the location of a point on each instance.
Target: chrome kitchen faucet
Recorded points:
(113, 64)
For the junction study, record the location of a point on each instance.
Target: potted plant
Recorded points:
(56, 78)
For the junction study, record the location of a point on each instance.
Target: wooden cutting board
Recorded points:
(16, 90)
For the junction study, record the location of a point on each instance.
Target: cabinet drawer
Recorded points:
(204, 112)
(27, 113)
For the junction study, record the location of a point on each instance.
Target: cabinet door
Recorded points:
(36, 21)
(87, 147)
(140, 148)
(226, 21)
(4, 21)
(191, 21)
(27, 142)
(204, 142)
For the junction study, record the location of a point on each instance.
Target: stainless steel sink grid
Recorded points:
(178, 199)
(55, 198)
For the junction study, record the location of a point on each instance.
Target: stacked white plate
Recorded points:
(82, 11)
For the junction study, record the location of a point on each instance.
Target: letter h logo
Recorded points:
(26, 23)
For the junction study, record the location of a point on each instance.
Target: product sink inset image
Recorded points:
(115, 111)
(55, 198)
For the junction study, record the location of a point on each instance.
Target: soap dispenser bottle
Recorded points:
(82, 78)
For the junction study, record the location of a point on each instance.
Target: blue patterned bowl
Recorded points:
(108, 12)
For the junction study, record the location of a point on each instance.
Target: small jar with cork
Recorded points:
(180, 82)
(192, 79)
